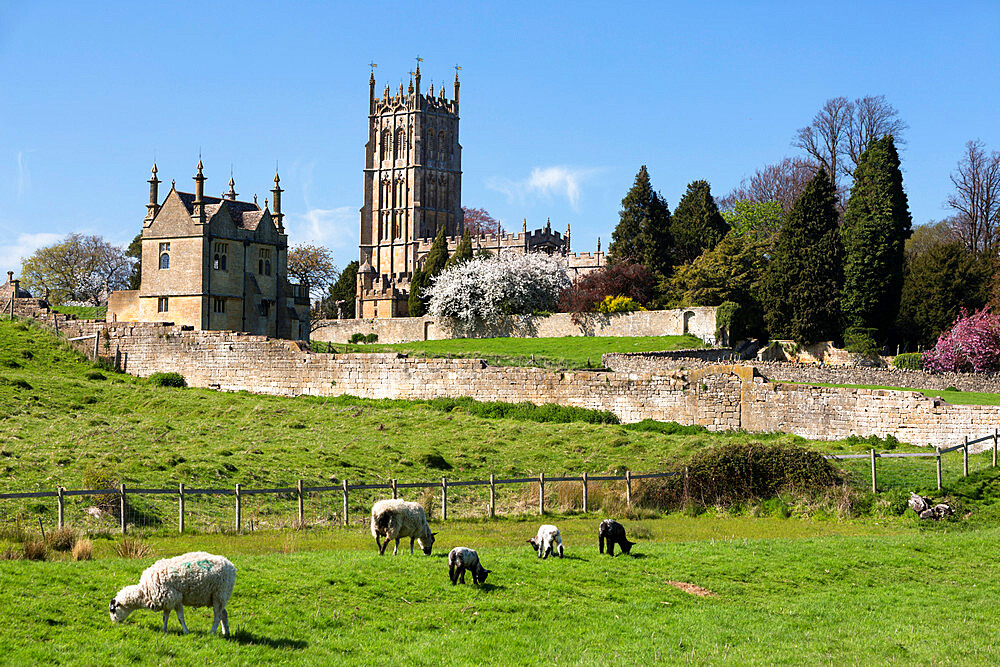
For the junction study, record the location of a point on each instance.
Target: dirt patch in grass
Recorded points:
(692, 589)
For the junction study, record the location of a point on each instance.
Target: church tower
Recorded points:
(413, 188)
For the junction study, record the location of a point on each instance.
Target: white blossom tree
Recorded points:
(487, 291)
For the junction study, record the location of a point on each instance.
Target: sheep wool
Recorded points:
(196, 579)
(547, 541)
(461, 559)
(394, 519)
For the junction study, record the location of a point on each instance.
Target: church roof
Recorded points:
(245, 215)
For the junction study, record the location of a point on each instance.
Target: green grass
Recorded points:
(825, 598)
(558, 353)
(83, 312)
(954, 397)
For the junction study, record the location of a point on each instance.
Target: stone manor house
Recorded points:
(215, 263)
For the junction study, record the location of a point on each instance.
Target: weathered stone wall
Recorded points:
(699, 322)
(778, 371)
(718, 396)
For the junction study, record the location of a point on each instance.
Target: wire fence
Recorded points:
(134, 509)
(131, 509)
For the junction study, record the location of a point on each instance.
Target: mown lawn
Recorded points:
(560, 353)
(918, 597)
(84, 312)
(954, 397)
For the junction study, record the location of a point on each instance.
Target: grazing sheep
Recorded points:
(196, 579)
(544, 541)
(614, 533)
(393, 519)
(461, 559)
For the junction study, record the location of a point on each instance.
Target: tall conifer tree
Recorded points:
(697, 224)
(437, 257)
(802, 294)
(876, 225)
(463, 251)
(643, 231)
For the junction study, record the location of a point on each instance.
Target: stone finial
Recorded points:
(154, 188)
(10, 277)
(524, 225)
(598, 244)
(231, 195)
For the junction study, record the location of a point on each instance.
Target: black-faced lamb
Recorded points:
(613, 533)
(393, 519)
(461, 559)
(547, 541)
(195, 579)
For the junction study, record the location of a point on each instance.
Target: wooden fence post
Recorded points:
(55, 322)
(121, 505)
(493, 497)
(995, 435)
(874, 478)
(302, 509)
(938, 449)
(628, 487)
(585, 505)
(444, 498)
(239, 508)
(180, 508)
(345, 504)
(59, 498)
(541, 492)
(687, 488)
(394, 495)
(965, 457)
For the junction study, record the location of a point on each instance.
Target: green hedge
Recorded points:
(913, 361)
(861, 340)
(167, 380)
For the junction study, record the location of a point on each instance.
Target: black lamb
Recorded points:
(614, 533)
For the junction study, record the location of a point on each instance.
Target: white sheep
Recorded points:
(196, 579)
(461, 559)
(547, 541)
(393, 519)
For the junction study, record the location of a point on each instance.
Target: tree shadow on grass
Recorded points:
(247, 638)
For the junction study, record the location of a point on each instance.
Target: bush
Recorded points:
(727, 320)
(63, 539)
(371, 338)
(133, 547)
(436, 461)
(35, 550)
(911, 361)
(357, 338)
(667, 428)
(971, 345)
(861, 340)
(167, 380)
(96, 477)
(617, 304)
(96, 375)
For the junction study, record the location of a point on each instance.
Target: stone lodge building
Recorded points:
(413, 188)
(215, 263)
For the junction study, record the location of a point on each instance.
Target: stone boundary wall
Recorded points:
(718, 396)
(699, 322)
(779, 371)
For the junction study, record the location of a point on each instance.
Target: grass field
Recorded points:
(83, 312)
(954, 397)
(871, 594)
(558, 353)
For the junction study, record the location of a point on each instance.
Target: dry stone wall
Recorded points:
(780, 371)
(718, 396)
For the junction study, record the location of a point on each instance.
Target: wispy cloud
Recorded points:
(561, 180)
(12, 252)
(23, 174)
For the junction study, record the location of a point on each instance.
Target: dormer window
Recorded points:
(219, 258)
(165, 255)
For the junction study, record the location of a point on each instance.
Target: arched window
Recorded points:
(222, 263)
(400, 146)
(267, 267)
(429, 147)
(164, 261)
(386, 144)
(260, 266)
(442, 145)
(216, 264)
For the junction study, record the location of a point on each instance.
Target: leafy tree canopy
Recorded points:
(78, 268)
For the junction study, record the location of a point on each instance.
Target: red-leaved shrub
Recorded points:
(635, 281)
(972, 344)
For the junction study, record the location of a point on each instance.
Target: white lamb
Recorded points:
(547, 541)
(393, 519)
(196, 579)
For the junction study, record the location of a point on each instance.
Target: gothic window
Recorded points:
(431, 193)
(265, 308)
(264, 261)
(442, 145)
(165, 255)
(429, 149)
(400, 144)
(386, 143)
(219, 258)
(162, 304)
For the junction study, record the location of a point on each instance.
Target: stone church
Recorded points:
(413, 188)
(215, 263)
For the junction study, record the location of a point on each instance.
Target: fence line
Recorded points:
(184, 493)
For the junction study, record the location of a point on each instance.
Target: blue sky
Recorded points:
(561, 102)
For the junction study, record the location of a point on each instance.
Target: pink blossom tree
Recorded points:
(971, 345)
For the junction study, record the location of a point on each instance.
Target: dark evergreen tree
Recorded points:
(876, 226)
(802, 288)
(697, 225)
(937, 283)
(463, 252)
(437, 258)
(643, 232)
(415, 300)
(135, 250)
(346, 290)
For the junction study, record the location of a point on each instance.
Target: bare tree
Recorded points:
(872, 118)
(976, 200)
(823, 139)
(781, 182)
